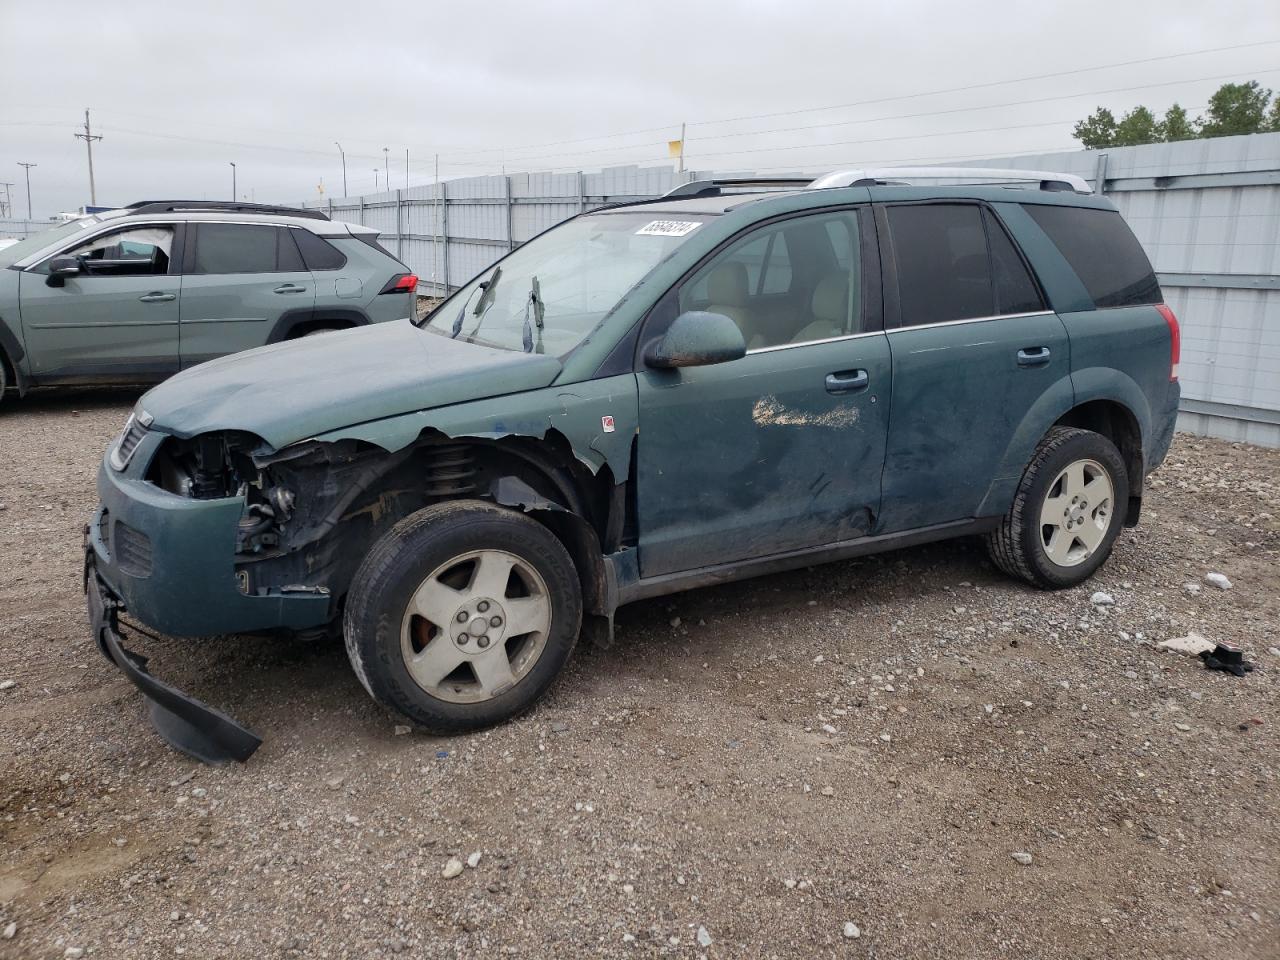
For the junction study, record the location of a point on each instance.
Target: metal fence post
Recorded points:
(331, 208)
(511, 240)
(582, 195)
(399, 227)
(1100, 175)
(362, 210)
(444, 232)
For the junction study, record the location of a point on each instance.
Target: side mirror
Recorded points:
(695, 339)
(60, 268)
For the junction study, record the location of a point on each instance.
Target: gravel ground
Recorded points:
(900, 756)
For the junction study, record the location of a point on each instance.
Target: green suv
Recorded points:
(737, 379)
(137, 294)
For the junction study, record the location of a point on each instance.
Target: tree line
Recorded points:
(1234, 109)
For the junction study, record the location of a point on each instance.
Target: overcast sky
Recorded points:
(180, 91)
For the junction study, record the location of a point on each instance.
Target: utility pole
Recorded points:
(376, 171)
(342, 154)
(28, 167)
(386, 161)
(682, 148)
(88, 137)
(6, 202)
(233, 181)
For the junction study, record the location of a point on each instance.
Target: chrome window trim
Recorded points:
(810, 343)
(953, 323)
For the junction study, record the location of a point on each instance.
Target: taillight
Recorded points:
(401, 283)
(1175, 336)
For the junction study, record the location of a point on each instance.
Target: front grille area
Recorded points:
(128, 443)
(132, 550)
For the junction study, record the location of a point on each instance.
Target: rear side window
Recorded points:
(944, 272)
(1103, 252)
(955, 262)
(236, 248)
(318, 254)
(1015, 291)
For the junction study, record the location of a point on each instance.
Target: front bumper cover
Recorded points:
(182, 721)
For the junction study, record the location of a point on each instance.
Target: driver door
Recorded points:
(783, 448)
(117, 319)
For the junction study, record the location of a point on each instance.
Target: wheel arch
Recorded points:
(297, 323)
(1119, 424)
(10, 353)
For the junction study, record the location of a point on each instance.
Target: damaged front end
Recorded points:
(253, 540)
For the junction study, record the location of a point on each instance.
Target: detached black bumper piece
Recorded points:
(184, 722)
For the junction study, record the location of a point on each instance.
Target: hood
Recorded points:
(291, 391)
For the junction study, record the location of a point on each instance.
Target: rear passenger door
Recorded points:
(974, 347)
(240, 280)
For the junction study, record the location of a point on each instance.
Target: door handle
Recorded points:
(290, 288)
(156, 296)
(847, 381)
(1033, 356)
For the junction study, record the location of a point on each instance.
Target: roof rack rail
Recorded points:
(995, 176)
(178, 206)
(715, 187)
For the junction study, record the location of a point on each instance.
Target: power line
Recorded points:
(992, 83)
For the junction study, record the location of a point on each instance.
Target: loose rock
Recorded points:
(851, 931)
(10, 931)
(1022, 857)
(1218, 580)
(473, 861)
(452, 868)
(1102, 599)
(704, 938)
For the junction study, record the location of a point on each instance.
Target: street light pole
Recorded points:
(233, 181)
(376, 171)
(28, 167)
(386, 162)
(343, 155)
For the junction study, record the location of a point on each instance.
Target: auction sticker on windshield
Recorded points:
(668, 228)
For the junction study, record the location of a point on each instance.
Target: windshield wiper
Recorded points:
(482, 305)
(535, 304)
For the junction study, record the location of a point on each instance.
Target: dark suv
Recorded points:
(136, 294)
(733, 380)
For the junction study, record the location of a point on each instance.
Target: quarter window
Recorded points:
(1103, 252)
(320, 254)
(791, 282)
(138, 252)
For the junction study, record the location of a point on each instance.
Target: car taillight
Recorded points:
(1175, 335)
(401, 283)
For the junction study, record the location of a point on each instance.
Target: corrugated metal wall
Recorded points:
(1207, 211)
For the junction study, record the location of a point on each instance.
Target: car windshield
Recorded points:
(553, 291)
(38, 241)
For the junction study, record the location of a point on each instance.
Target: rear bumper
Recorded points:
(171, 560)
(184, 722)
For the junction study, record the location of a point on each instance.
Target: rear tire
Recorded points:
(1067, 511)
(463, 615)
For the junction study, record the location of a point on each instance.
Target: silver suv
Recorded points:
(136, 294)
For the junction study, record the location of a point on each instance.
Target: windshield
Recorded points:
(38, 241)
(553, 291)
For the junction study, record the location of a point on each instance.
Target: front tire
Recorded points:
(463, 615)
(1067, 511)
